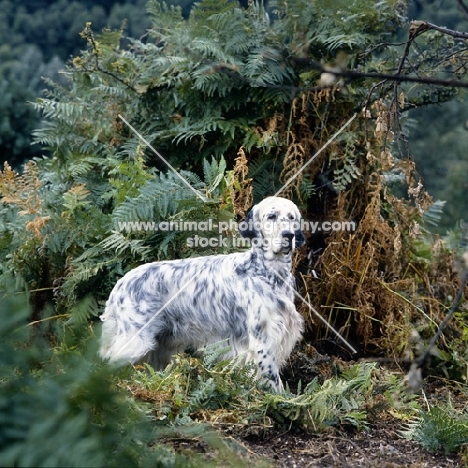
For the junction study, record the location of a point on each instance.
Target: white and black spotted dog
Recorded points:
(246, 299)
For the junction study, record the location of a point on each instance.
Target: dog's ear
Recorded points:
(247, 227)
(299, 238)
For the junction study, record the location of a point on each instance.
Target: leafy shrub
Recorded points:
(62, 409)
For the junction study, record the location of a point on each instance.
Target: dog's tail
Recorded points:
(121, 343)
(109, 327)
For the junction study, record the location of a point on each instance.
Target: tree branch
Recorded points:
(349, 74)
(87, 34)
(418, 27)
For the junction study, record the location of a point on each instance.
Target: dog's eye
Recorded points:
(291, 217)
(271, 216)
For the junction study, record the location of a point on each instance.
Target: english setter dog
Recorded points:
(246, 299)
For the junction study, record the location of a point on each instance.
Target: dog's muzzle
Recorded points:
(287, 241)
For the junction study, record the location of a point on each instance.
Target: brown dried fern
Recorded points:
(371, 288)
(22, 192)
(292, 165)
(242, 185)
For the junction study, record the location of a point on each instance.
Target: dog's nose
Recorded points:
(288, 236)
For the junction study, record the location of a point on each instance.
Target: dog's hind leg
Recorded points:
(161, 355)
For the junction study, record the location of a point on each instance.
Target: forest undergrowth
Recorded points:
(249, 110)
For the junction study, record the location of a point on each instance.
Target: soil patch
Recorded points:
(380, 447)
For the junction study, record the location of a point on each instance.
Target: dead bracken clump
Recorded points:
(384, 282)
(388, 283)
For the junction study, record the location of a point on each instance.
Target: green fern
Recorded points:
(214, 174)
(128, 175)
(265, 173)
(193, 387)
(330, 29)
(343, 176)
(82, 277)
(439, 428)
(157, 199)
(336, 401)
(118, 243)
(68, 395)
(213, 352)
(205, 9)
(201, 397)
(162, 14)
(434, 213)
(83, 310)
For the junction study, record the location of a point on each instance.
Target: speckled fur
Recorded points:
(247, 299)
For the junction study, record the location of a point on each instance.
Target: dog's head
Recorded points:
(275, 225)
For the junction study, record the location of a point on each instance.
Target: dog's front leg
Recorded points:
(268, 368)
(265, 360)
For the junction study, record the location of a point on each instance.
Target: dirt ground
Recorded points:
(380, 447)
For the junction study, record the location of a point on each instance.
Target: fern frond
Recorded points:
(264, 65)
(158, 198)
(434, 213)
(329, 403)
(68, 111)
(440, 428)
(118, 243)
(206, 9)
(213, 173)
(210, 50)
(200, 397)
(83, 310)
(213, 353)
(162, 14)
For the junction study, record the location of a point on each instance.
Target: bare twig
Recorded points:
(414, 376)
(422, 26)
(87, 34)
(412, 35)
(463, 8)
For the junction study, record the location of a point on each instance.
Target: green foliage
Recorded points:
(85, 240)
(36, 38)
(441, 157)
(190, 388)
(226, 50)
(20, 82)
(61, 407)
(221, 392)
(198, 101)
(338, 25)
(339, 400)
(131, 176)
(440, 428)
(63, 410)
(244, 81)
(345, 170)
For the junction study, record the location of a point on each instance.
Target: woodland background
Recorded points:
(37, 38)
(237, 98)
